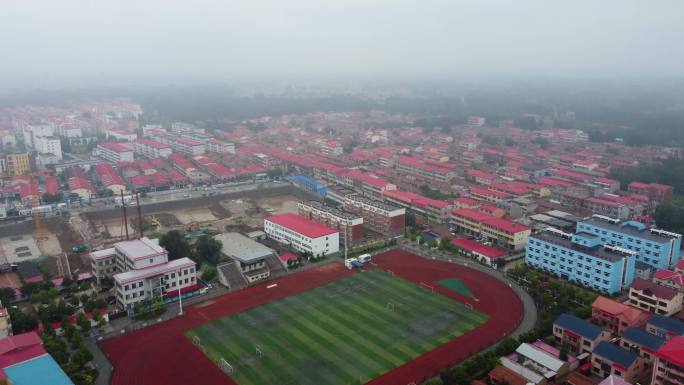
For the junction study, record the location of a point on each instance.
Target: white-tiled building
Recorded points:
(114, 152)
(152, 149)
(141, 270)
(302, 234)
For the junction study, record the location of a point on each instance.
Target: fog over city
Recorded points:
(52, 44)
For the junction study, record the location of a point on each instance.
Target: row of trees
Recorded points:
(206, 248)
(74, 357)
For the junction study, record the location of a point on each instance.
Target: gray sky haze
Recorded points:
(84, 43)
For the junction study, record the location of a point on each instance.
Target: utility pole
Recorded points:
(125, 218)
(140, 218)
(180, 301)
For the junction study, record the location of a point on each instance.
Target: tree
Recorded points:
(175, 244)
(53, 198)
(22, 322)
(81, 357)
(563, 354)
(209, 273)
(6, 296)
(209, 248)
(83, 322)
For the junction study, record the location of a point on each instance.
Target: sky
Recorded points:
(82, 43)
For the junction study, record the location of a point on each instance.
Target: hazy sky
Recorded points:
(75, 43)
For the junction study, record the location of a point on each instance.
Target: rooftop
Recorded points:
(135, 275)
(579, 326)
(597, 251)
(672, 325)
(673, 351)
(242, 248)
(643, 338)
(629, 228)
(331, 210)
(631, 315)
(301, 225)
(471, 245)
(659, 291)
(616, 354)
(140, 248)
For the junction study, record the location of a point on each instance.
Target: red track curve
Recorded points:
(162, 355)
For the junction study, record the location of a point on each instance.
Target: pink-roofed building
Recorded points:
(485, 195)
(432, 210)
(303, 235)
(428, 171)
(152, 149)
(114, 152)
(507, 234)
(481, 177)
(487, 254)
(655, 191)
(52, 186)
(80, 186)
(110, 178)
(669, 364)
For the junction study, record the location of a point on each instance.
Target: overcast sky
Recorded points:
(57, 43)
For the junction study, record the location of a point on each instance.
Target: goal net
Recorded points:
(226, 367)
(427, 287)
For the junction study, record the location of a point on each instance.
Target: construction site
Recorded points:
(60, 245)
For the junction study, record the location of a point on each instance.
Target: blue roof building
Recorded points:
(308, 184)
(37, 371)
(657, 248)
(665, 327)
(612, 359)
(641, 342)
(578, 335)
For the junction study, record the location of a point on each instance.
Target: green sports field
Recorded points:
(346, 332)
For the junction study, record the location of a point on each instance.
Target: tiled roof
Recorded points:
(578, 326)
(616, 354)
(643, 338)
(672, 325)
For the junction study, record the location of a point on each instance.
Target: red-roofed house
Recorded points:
(505, 233)
(152, 149)
(433, 210)
(110, 179)
(52, 186)
(616, 316)
(481, 177)
(669, 278)
(669, 364)
(487, 254)
(302, 234)
(427, 171)
(80, 186)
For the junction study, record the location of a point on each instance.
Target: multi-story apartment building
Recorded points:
(616, 317)
(114, 152)
(607, 208)
(18, 163)
(188, 146)
(330, 147)
(665, 327)
(578, 335)
(669, 364)
(655, 298)
(432, 210)
(581, 258)
(121, 135)
(215, 145)
(655, 191)
(503, 232)
(655, 247)
(302, 234)
(141, 271)
(350, 225)
(152, 149)
(379, 216)
(476, 121)
(486, 195)
(48, 145)
(670, 278)
(434, 171)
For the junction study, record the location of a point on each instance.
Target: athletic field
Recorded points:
(349, 331)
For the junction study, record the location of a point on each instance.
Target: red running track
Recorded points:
(162, 355)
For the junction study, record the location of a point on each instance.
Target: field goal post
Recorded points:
(226, 367)
(427, 287)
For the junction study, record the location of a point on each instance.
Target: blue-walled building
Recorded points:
(657, 248)
(581, 258)
(308, 184)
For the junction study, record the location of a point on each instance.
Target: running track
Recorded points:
(161, 355)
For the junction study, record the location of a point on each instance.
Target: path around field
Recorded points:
(162, 355)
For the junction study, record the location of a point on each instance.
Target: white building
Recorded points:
(121, 135)
(69, 130)
(476, 121)
(141, 271)
(188, 146)
(302, 234)
(114, 152)
(215, 145)
(152, 149)
(31, 132)
(48, 145)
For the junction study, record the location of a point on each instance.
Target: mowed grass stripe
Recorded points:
(308, 339)
(294, 337)
(351, 342)
(337, 334)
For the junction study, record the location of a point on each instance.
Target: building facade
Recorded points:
(350, 225)
(379, 216)
(302, 234)
(655, 298)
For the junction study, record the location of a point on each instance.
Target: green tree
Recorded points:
(53, 198)
(209, 273)
(83, 322)
(81, 357)
(6, 296)
(175, 244)
(209, 248)
(22, 322)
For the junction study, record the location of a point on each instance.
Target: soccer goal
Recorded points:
(226, 367)
(259, 352)
(427, 287)
(390, 306)
(196, 341)
(469, 306)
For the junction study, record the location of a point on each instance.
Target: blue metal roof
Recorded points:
(37, 371)
(578, 326)
(643, 338)
(616, 354)
(670, 324)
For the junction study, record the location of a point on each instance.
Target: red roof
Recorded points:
(288, 257)
(673, 351)
(417, 199)
(301, 225)
(116, 147)
(413, 162)
(20, 348)
(481, 174)
(78, 182)
(153, 144)
(51, 186)
(470, 245)
(630, 315)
